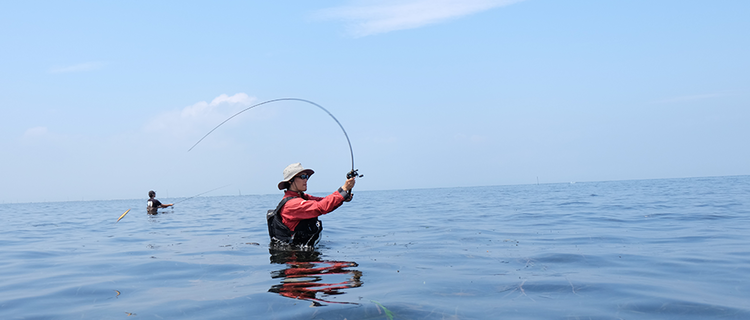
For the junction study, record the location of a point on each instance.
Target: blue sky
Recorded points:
(101, 100)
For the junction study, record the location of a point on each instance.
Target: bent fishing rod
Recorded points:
(351, 174)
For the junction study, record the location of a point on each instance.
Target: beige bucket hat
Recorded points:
(290, 172)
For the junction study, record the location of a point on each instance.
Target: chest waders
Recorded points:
(307, 232)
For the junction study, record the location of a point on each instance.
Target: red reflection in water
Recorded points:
(305, 276)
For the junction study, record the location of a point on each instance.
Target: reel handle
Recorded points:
(354, 173)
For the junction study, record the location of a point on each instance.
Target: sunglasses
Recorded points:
(304, 176)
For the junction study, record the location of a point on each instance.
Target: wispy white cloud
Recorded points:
(41, 135)
(81, 67)
(369, 17)
(196, 118)
(35, 132)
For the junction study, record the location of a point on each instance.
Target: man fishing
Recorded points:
(295, 220)
(154, 204)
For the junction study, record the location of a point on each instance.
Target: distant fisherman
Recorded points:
(295, 220)
(154, 204)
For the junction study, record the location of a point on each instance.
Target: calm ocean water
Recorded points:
(648, 249)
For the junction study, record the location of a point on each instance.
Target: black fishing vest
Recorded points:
(307, 232)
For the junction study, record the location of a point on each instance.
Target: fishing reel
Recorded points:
(354, 173)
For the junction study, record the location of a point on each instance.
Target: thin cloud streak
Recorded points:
(369, 17)
(35, 132)
(41, 135)
(81, 67)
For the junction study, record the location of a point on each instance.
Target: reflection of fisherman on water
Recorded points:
(154, 204)
(295, 222)
(294, 230)
(306, 276)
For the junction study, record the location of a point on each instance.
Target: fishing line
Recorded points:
(200, 194)
(351, 174)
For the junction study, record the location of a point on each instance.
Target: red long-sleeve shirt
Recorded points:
(306, 206)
